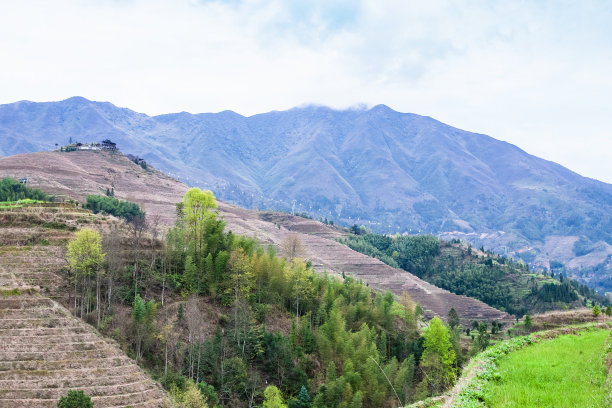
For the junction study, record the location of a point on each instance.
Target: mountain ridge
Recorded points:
(391, 171)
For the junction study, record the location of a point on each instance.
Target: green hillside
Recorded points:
(496, 280)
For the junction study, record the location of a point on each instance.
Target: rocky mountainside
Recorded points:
(88, 172)
(390, 171)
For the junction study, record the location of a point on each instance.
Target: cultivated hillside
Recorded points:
(391, 171)
(45, 350)
(80, 173)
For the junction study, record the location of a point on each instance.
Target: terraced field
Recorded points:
(45, 350)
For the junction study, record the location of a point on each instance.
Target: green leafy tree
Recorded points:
(596, 311)
(85, 258)
(527, 323)
(438, 359)
(75, 399)
(608, 311)
(273, 398)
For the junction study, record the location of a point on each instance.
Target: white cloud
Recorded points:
(534, 74)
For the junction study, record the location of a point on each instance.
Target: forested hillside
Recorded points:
(496, 280)
(210, 309)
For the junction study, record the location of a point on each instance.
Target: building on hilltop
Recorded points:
(108, 145)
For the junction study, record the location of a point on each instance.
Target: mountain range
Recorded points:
(389, 171)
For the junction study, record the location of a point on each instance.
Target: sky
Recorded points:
(537, 74)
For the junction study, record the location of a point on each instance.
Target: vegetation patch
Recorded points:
(565, 371)
(496, 280)
(113, 206)
(10, 292)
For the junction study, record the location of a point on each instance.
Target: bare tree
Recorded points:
(292, 247)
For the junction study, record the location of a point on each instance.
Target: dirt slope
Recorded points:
(45, 350)
(80, 173)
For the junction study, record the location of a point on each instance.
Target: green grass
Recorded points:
(568, 371)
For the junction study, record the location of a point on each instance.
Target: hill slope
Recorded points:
(45, 350)
(81, 173)
(391, 171)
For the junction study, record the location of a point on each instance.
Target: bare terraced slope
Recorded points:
(45, 351)
(80, 173)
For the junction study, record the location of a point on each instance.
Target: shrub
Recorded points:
(75, 399)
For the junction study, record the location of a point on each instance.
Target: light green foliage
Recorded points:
(190, 397)
(75, 399)
(609, 311)
(596, 311)
(273, 398)
(438, 358)
(568, 371)
(85, 252)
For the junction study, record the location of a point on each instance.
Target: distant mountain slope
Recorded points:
(391, 171)
(89, 172)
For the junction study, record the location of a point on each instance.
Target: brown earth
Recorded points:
(77, 174)
(45, 350)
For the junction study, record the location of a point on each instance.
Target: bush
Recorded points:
(75, 399)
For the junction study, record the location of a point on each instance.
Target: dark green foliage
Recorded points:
(12, 190)
(453, 318)
(113, 206)
(75, 399)
(497, 281)
(552, 292)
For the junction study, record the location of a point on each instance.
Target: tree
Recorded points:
(292, 247)
(196, 208)
(302, 400)
(75, 399)
(273, 398)
(527, 323)
(483, 339)
(143, 316)
(608, 311)
(438, 357)
(453, 318)
(85, 258)
(596, 311)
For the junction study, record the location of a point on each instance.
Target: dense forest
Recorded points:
(12, 190)
(221, 320)
(496, 280)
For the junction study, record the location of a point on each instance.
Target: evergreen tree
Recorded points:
(453, 318)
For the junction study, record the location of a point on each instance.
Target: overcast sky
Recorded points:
(537, 74)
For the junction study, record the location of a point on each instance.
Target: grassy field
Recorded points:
(568, 371)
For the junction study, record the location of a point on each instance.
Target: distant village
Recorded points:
(106, 144)
(103, 145)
